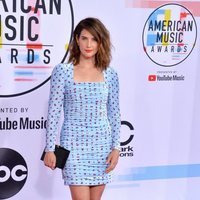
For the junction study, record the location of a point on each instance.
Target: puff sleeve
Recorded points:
(113, 107)
(55, 105)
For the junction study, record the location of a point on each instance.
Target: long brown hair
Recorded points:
(101, 34)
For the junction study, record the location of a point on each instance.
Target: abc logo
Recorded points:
(130, 126)
(126, 147)
(13, 172)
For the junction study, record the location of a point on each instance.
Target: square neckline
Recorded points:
(88, 82)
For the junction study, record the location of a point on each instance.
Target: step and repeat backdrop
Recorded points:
(156, 54)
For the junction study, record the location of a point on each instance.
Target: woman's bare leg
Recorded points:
(96, 192)
(80, 192)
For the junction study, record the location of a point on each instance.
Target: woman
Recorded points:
(88, 90)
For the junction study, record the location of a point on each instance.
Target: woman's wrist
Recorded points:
(117, 148)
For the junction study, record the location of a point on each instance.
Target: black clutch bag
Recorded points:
(61, 156)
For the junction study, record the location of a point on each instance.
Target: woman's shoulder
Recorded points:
(111, 72)
(62, 66)
(111, 69)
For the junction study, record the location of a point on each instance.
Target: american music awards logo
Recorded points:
(34, 37)
(169, 35)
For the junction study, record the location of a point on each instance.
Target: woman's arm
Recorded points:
(56, 100)
(114, 117)
(113, 108)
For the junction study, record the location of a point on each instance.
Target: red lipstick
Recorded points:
(88, 51)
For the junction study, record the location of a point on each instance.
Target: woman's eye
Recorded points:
(94, 39)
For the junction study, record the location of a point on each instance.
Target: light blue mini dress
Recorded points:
(91, 125)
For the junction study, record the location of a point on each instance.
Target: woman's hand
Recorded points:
(112, 160)
(50, 160)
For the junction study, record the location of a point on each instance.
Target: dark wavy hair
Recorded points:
(101, 34)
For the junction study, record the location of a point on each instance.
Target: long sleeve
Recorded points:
(113, 108)
(55, 106)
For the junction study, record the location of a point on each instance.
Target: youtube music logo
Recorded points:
(152, 78)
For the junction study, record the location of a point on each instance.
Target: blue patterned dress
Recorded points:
(91, 126)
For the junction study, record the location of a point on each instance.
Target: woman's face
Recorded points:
(88, 45)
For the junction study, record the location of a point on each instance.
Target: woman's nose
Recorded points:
(89, 43)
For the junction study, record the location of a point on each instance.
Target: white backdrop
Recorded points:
(161, 162)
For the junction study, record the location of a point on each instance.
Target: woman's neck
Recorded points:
(86, 63)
